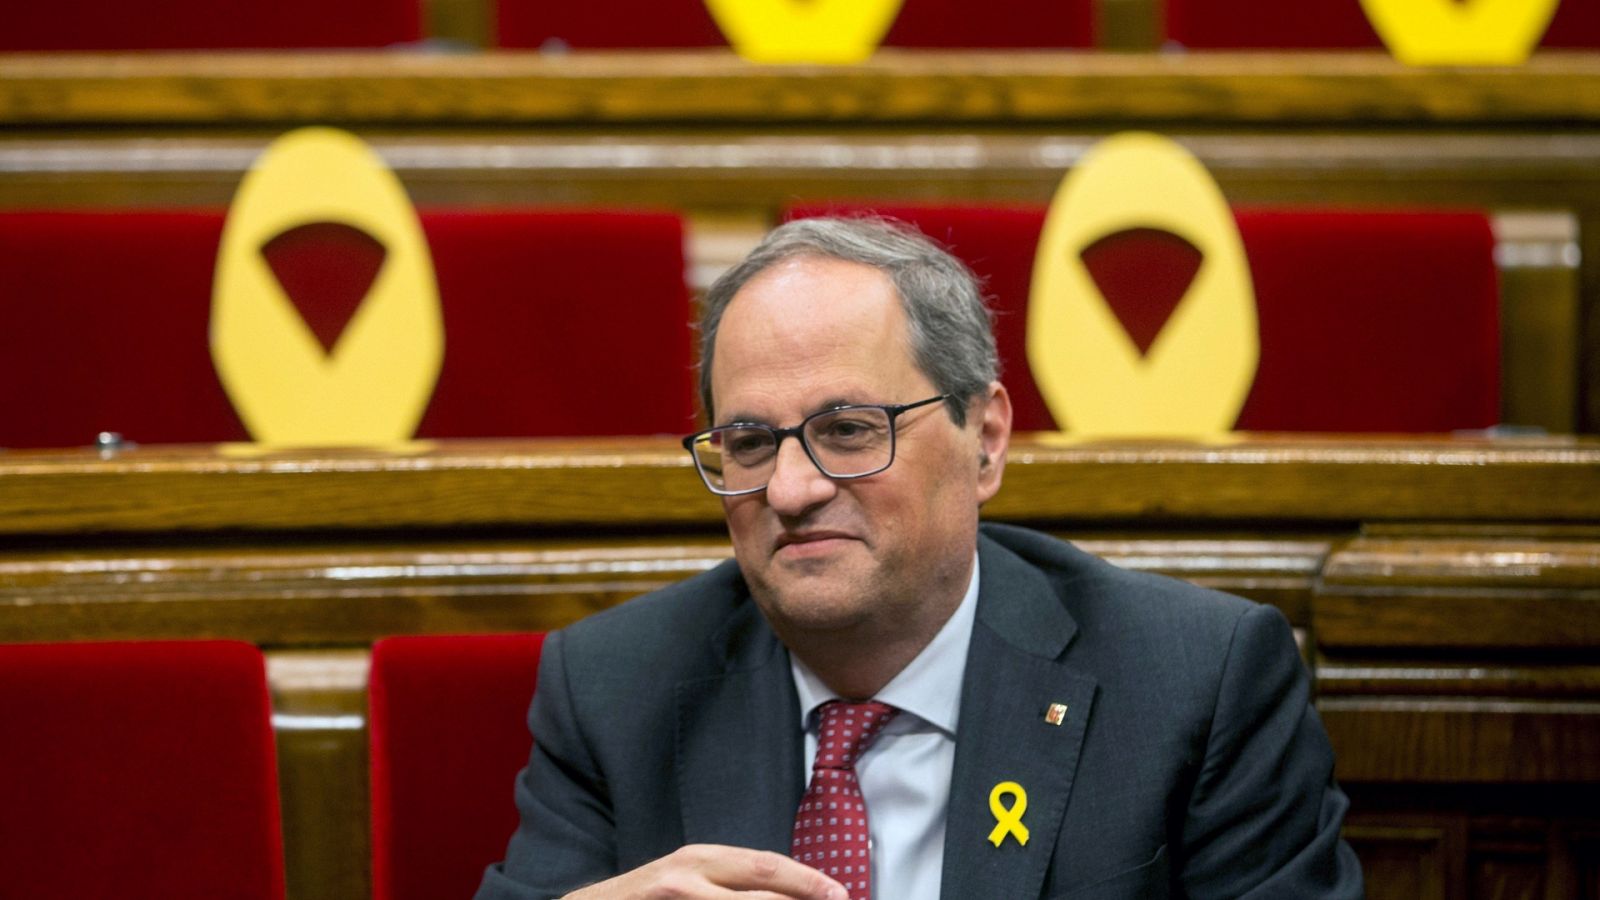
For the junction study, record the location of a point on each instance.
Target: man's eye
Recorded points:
(748, 444)
(849, 431)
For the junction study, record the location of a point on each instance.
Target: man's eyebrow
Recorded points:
(741, 418)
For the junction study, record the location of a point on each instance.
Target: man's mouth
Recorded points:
(807, 543)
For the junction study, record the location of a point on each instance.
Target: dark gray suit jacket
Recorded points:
(1190, 762)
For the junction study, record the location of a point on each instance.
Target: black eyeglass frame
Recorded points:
(892, 410)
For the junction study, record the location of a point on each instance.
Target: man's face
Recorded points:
(888, 553)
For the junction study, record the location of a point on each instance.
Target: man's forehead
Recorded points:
(811, 331)
(811, 301)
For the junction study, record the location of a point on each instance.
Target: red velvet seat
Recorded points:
(556, 323)
(624, 24)
(448, 729)
(139, 771)
(1368, 321)
(216, 25)
(1327, 24)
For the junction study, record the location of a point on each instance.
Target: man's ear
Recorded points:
(994, 436)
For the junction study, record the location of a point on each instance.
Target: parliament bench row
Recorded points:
(189, 773)
(1444, 592)
(732, 145)
(569, 322)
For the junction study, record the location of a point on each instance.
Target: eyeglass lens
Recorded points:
(844, 443)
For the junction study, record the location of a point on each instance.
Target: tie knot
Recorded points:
(847, 729)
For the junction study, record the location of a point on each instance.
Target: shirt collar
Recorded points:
(929, 687)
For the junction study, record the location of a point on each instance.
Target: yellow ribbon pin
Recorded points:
(1008, 820)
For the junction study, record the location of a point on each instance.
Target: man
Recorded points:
(1055, 726)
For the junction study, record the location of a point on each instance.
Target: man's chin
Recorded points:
(815, 605)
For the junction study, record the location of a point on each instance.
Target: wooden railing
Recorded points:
(945, 89)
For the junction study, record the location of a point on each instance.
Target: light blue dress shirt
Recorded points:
(905, 774)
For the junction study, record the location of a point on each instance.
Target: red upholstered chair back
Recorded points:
(1369, 321)
(213, 25)
(622, 24)
(448, 727)
(137, 770)
(1327, 24)
(556, 323)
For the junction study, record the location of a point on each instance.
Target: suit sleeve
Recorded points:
(1264, 817)
(565, 838)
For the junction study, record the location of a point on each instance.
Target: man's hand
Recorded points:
(713, 872)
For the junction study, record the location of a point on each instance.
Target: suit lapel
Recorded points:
(1014, 675)
(739, 743)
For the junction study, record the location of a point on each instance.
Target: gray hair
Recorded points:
(952, 336)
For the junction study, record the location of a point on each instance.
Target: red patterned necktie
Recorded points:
(830, 828)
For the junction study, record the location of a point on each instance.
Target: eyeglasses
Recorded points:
(843, 442)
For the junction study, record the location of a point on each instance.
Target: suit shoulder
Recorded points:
(663, 623)
(1100, 595)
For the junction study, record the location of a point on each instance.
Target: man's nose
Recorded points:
(797, 484)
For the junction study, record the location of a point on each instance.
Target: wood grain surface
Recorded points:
(1464, 741)
(715, 86)
(1470, 593)
(649, 483)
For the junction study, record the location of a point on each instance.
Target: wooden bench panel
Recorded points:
(894, 87)
(648, 484)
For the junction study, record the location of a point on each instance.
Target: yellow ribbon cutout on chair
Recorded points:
(1461, 32)
(1199, 369)
(804, 31)
(374, 385)
(1008, 820)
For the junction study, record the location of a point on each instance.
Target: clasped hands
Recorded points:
(713, 872)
